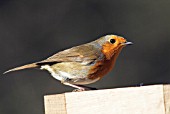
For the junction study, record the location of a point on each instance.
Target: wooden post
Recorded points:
(153, 99)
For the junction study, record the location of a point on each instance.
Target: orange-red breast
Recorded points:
(84, 64)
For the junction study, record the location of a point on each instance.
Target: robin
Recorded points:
(83, 64)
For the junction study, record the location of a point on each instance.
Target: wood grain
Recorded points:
(153, 99)
(55, 104)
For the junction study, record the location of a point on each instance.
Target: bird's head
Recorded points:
(112, 44)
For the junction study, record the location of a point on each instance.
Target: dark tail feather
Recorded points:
(33, 65)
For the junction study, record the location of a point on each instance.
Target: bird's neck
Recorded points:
(110, 61)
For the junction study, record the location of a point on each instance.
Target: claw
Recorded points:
(79, 90)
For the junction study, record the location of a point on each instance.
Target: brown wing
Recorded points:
(87, 53)
(80, 53)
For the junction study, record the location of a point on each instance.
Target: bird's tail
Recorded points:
(33, 65)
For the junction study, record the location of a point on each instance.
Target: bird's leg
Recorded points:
(79, 88)
(87, 88)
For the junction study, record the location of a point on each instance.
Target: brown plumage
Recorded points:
(33, 65)
(82, 64)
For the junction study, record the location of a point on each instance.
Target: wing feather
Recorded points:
(80, 53)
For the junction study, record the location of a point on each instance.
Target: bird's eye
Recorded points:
(112, 41)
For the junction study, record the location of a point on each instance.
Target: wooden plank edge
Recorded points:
(60, 108)
(166, 91)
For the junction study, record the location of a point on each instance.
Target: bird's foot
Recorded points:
(79, 87)
(78, 90)
(83, 88)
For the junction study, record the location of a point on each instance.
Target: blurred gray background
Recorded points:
(32, 30)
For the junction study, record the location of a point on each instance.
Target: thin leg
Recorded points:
(75, 86)
(87, 88)
(79, 87)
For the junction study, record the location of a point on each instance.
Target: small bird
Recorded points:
(83, 64)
